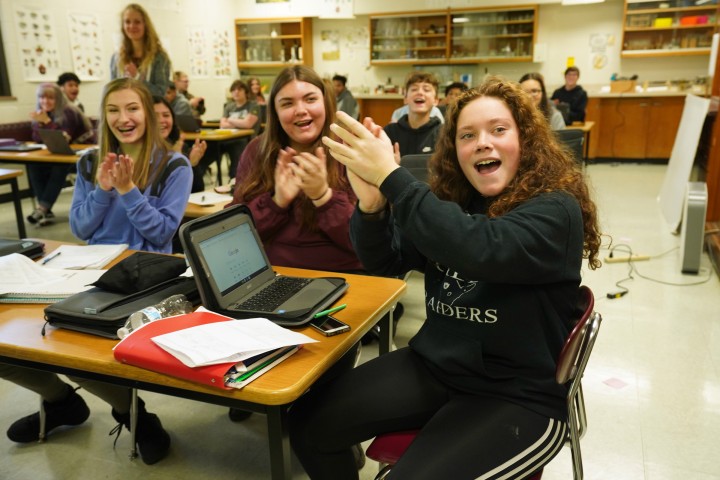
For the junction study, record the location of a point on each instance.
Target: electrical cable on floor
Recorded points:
(633, 269)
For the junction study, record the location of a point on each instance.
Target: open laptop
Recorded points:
(233, 273)
(56, 142)
(187, 123)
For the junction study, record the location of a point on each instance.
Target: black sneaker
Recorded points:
(151, 438)
(71, 411)
(36, 216)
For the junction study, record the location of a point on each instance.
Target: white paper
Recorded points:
(76, 257)
(231, 341)
(22, 277)
(208, 198)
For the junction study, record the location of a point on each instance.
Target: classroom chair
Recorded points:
(388, 448)
(574, 140)
(417, 164)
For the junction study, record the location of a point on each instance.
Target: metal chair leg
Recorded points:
(43, 416)
(133, 422)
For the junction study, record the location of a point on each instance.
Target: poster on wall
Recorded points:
(198, 50)
(87, 59)
(222, 66)
(37, 41)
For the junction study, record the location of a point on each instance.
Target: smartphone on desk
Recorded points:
(329, 325)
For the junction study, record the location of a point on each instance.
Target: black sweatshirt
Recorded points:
(414, 140)
(500, 293)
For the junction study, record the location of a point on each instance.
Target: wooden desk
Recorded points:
(210, 124)
(586, 128)
(9, 177)
(219, 134)
(42, 156)
(74, 353)
(195, 211)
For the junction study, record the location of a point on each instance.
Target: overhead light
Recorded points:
(460, 19)
(580, 2)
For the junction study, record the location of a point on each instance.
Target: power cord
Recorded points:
(633, 269)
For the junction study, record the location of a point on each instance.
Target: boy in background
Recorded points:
(69, 83)
(345, 100)
(417, 131)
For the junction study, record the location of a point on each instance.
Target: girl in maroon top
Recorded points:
(299, 196)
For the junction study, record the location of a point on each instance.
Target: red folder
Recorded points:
(138, 349)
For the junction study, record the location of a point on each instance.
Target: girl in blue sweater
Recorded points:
(135, 189)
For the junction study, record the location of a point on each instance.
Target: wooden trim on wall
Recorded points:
(713, 163)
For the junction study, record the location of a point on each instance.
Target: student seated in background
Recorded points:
(171, 133)
(500, 234)
(452, 92)
(571, 97)
(178, 103)
(239, 112)
(345, 100)
(417, 131)
(256, 94)
(182, 83)
(534, 85)
(114, 202)
(53, 111)
(69, 83)
(435, 112)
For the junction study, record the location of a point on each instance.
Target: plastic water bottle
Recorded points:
(174, 305)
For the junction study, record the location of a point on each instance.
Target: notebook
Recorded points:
(56, 142)
(187, 123)
(20, 147)
(232, 272)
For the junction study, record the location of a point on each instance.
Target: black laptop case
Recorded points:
(29, 248)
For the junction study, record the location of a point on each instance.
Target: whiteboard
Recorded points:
(681, 160)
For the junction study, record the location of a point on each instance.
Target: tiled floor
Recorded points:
(652, 387)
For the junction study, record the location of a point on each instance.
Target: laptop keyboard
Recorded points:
(272, 296)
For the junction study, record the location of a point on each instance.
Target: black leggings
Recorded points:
(463, 436)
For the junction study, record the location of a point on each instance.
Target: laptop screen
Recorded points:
(233, 257)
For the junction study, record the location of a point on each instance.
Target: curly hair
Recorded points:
(545, 166)
(261, 176)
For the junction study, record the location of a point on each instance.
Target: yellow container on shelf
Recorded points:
(663, 22)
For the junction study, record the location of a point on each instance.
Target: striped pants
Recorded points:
(463, 436)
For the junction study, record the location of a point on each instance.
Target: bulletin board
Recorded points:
(37, 41)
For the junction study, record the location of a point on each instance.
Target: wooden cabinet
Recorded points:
(637, 128)
(278, 42)
(668, 27)
(502, 35)
(453, 36)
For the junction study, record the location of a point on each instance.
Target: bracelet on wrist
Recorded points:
(321, 196)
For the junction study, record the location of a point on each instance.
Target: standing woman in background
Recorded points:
(53, 112)
(140, 55)
(135, 189)
(534, 85)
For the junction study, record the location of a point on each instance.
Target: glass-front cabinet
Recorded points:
(494, 35)
(669, 27)
(409, 39)
(454, 36)
(273, 43)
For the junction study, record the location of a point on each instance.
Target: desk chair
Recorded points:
(388, 448)
(573, 140)
(417, 164)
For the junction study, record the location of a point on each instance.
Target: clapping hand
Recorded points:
(286, 185)
(116, 171)
(197, 151)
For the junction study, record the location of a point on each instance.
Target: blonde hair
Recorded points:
(152, 141)
(151, 42)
